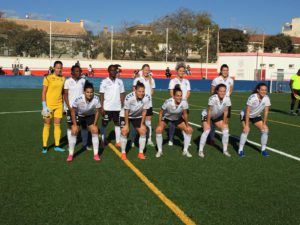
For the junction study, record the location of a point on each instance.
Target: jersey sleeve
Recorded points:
(66, 85)
(102, 87)
(165, 105)
(147, 103)
(171, 85)
(268, 101)
(293, 77)
(153, 83)
(98, 104)
(75, 103)
(211, 101)
(122, 88)
(214, 82)
(185, 105)
(228, 102)
(126, 103)
(251, 100)
(45, 81)
(188, 85)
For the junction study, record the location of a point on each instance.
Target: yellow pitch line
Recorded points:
(171, 205)
(274, 121)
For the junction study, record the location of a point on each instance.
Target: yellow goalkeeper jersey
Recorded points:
(55, 84)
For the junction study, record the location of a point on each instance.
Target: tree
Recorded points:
(233, 40)
(34, 43)
(280, 41)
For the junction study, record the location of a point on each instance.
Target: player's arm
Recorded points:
(74, 122)
(188, 94)
(171, 92)
(291, 85)
(230, 90)
(212, 89)
(126, 116)
(122, 97)
(160, 115)
(66, 98)
(101, 102)
(225, 117)
(44, 92)
(143, 117)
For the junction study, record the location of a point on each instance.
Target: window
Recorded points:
(271, 66)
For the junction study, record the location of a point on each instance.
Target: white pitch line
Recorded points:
(253, 143)
(18, 112)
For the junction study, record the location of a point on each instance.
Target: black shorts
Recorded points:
(136, 123)
(253, 120)
(69, 118)
(149, 112)
(204, 118)
(86, 120)
(176, 122)
(111, 115)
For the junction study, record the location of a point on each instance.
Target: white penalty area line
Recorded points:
(252, 143)
(19, 112)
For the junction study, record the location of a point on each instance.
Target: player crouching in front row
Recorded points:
(135, 109)
(174, 110)
(87, 107)
(216, 113)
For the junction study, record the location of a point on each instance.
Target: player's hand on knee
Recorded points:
(246, 129)
(74, 130)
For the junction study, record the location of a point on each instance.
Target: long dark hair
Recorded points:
(222, 67)
(298, 73)
(258, 86)
(57, 62)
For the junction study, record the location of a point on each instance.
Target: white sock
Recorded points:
(103, 131)
(187, 141)
(264, 139)
(159, 141)
(123, 143)
(225, 139)
(72, 143)
(118, 134)
(243, 140)
(203, 139)
(69, 134)
(84, 136)
(171, 131)
(148, 124)
(142, 143)
(95, 141)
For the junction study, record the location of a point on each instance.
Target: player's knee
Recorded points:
(158, 130)
(189, 130)
(207, 131)
(142, 131)
(265, 130)
(124, 132)
(94, 129)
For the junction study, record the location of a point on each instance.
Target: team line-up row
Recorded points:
(134, 110)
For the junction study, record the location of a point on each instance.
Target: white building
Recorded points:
(260, 66)
(293, 28)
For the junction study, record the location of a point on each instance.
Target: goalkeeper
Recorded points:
(52, 101)
(295, 88)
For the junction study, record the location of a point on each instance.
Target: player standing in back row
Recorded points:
(112, 100)
(185, 87)
(223, 78)
(148, 81)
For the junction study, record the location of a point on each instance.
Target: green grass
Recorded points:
(44, 189)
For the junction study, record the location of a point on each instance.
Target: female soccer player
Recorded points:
(216, 113)
(148, 81)
(223, 78)
(87, 106)
(257, 102)
(174, 110)
(73, 88)
(135, 109)
(52, 101)
(112, 99)
(186, 91)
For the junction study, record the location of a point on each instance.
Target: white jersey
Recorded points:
(218, 106)
(135, 106)
(149, 85)
(86, 108)
(112, 90)
(184, 86)
(256, 105)
(75, 88)
(173, 112)
(220, 80)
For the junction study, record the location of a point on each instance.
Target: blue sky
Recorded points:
(259, 15)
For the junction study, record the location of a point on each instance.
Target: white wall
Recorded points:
(242, 65)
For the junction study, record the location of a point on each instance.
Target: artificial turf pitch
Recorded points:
(41, 188)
